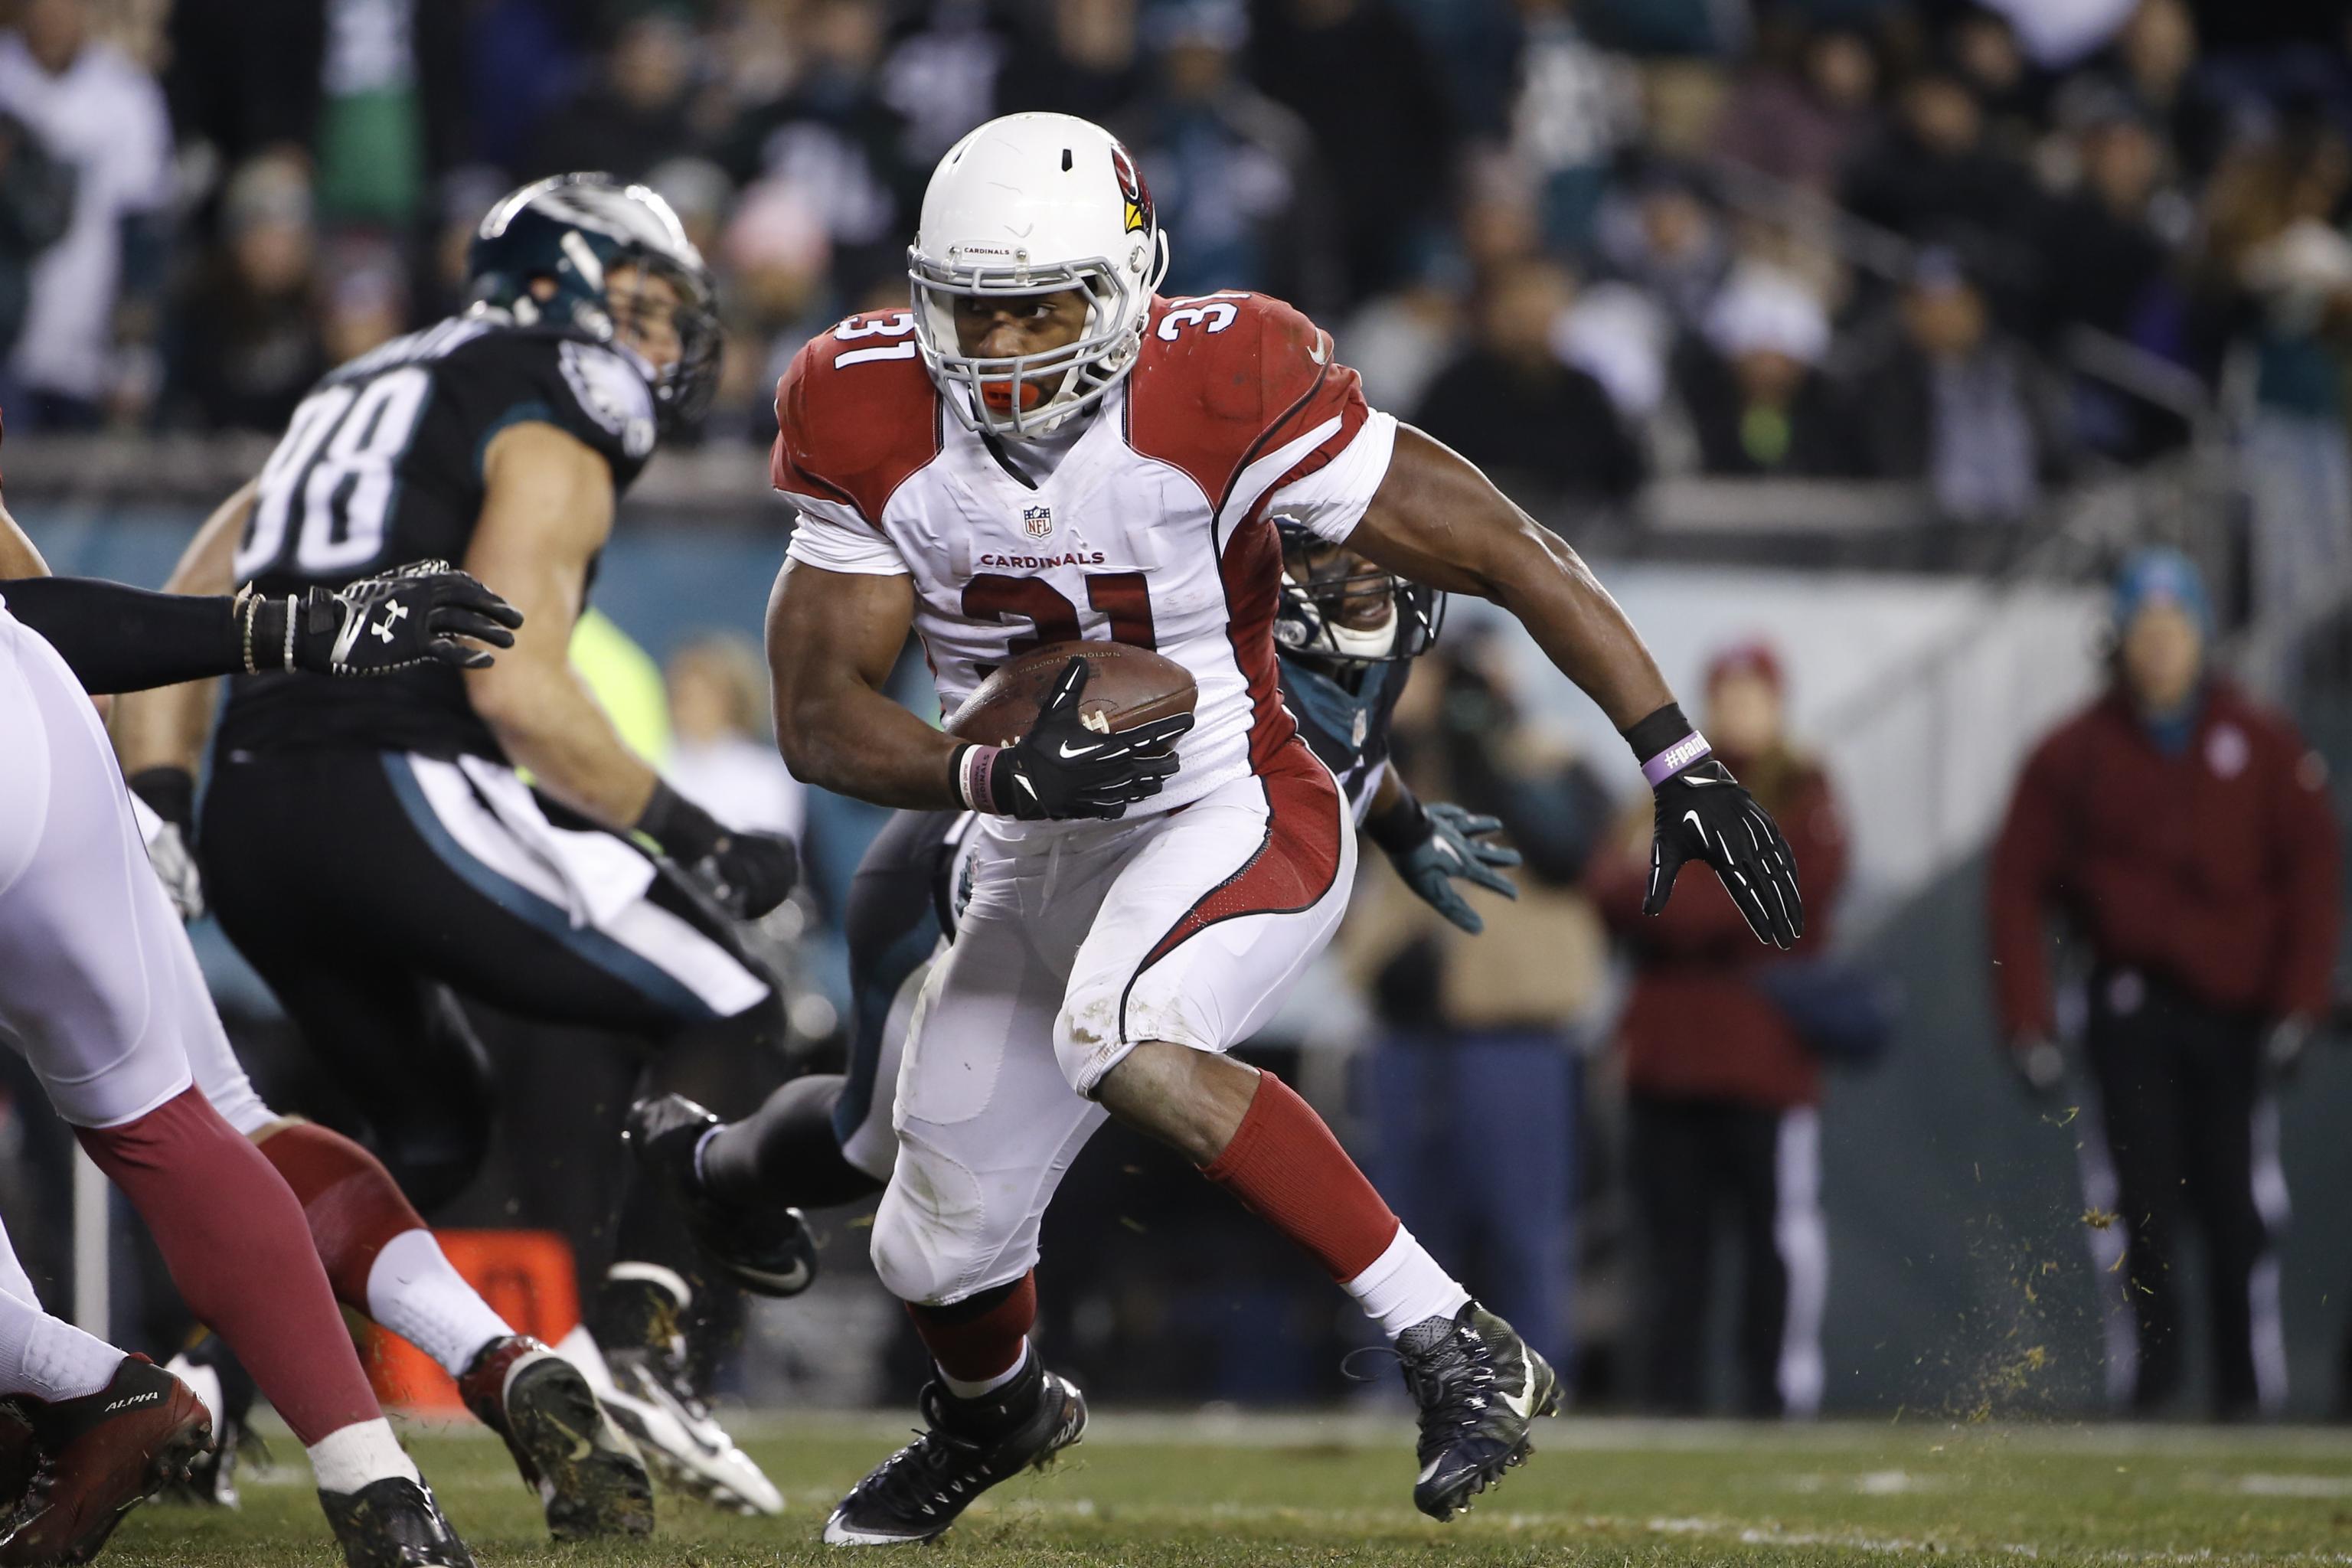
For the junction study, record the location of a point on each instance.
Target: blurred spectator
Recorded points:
(775, 250)
(1355, 73)
(2154, 62)
(1722, 1090)
(367, 301)
(1509, 404)
(1471, 1085)
(1231, 170)
(2185, 833)
(633, 113)
(1398, 342)
(36, 203)
(832, 137)
(1663, 238)
(719, 755)
(86, 351)
(1986, 57)
(1576, 107)
(1957, 405)
(1753, 386)
(248, 347)
(942, 70)
(2279, 271)
(1085, 59)
(1799, 113)
(1932, 176)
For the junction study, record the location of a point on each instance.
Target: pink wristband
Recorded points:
(975, 777)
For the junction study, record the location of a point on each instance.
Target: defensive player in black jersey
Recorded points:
(374, 851)
(1348, 633)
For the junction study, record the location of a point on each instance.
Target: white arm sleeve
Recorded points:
(1331, 500)
(832, 538)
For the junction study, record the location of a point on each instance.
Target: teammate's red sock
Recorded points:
(351, 1201)
(980, 1338)
(1286, 1168)
(233, 1239)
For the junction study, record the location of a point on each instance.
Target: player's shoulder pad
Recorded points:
(598, 393)
(612, 393)
(1224, 378)
(855, 414)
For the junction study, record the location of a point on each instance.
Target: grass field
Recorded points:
(1148, 1491)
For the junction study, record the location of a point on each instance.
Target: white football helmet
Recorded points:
(1028, 204)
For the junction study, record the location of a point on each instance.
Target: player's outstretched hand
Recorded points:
(1458, 844)
(1705, 814)
(1062, 768)
(750, 873)
(427, 612)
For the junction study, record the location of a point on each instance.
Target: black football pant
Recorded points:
(1702, 1171)
(372, 889)
(2191, 1139)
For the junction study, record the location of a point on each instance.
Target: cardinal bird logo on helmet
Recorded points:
(1131, 186)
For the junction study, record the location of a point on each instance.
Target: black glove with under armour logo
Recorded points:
(749, 873)
(1705, 814)
(1062, 768)
(409, 616)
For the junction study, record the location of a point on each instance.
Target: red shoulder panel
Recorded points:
(856, 415)
(1225, 378)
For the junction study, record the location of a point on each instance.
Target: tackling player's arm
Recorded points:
(166, 728)
(547, 508)
(1437, 519)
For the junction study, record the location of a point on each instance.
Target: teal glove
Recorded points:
(1434, 846)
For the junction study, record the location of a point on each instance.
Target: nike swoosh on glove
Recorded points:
(1705, 814)
(1061, 769)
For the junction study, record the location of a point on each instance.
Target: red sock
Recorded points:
(352, 1204)
(1287, 1169)
(980, 1338)
(234, 1240)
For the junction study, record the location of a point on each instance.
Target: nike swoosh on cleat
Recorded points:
(1428, 1470)
(1523, 1403)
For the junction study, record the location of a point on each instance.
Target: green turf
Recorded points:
(1145, 1490)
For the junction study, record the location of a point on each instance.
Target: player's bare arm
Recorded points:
(546, 510)
(833, 637)
(1437, 519)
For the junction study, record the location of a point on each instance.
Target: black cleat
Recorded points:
(590, 1478)
(918, 1492)
(1479, 1387)
(97, 1457)
(393, 1524)
(767, 1251)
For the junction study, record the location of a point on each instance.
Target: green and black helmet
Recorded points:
(545, 252)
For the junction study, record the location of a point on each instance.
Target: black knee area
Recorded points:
(787, 1152)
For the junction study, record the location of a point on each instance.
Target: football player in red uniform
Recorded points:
(1043, 449)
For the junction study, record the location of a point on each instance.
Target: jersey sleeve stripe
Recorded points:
(1252, 485)
(1266, 435)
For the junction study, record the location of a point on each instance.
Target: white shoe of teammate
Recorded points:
(681, 1441)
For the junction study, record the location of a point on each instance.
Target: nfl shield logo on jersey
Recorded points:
(1037, 521)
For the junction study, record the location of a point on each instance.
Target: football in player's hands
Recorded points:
(1125, 688)
(1705, 814)
(1072, 762)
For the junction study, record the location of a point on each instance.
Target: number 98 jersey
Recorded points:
(1148, 525)
(381, 466)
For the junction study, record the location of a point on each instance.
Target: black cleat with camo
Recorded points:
(1479, 1387)
(918, 1492)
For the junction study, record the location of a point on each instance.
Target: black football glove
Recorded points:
(1063, 768)
(1430, 845)
(1703, 813)
(749, 873)
(396, 620)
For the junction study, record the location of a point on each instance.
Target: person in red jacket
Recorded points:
(2183, 832)
(1720, 1090)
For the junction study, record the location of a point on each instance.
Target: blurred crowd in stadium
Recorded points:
(1990, 250)
(1585, 241)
